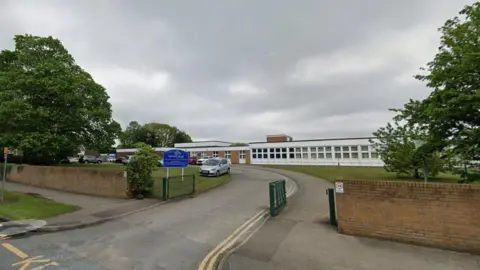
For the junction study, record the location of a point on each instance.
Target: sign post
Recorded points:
(5, 154)
(175, 158)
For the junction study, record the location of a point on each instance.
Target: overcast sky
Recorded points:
(238, 70)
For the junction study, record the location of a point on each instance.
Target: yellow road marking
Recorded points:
(203, 264)
(15, 250)
(3, 236)
(26, 263)
(232, 242)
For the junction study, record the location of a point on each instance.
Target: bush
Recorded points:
(139, 171)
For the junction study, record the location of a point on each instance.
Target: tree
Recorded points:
(49, 105)
(396, 147)
(450, 113)
(139, 171)
(239, 144)
(154, 134)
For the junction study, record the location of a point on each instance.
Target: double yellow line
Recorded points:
(212, 258)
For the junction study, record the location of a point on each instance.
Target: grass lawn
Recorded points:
(331, 173)
(177, 186)
(23, 206)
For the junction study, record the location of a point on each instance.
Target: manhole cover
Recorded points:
(20, 226)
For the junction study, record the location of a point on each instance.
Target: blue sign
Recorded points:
(175, 159)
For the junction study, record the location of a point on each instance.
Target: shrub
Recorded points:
(139, 171)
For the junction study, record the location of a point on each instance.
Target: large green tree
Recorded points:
(49, 105)
(395, 143)
(154, 134)
(451, 114)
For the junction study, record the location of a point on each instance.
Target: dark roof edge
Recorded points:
(318, 140)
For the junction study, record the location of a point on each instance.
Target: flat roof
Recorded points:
(279, 135)
(319, 140)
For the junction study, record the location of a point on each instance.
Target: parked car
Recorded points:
(119, 160)
(92, 160)
(192, 160)
(126, 160)
(215, 166)
(69, 160)
(202, 160)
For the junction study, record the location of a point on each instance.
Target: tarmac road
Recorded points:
(177, 235)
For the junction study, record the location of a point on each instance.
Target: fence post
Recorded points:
(165, 188)
(331, 204)
(194, 185)
(271, 187)
(284, 192)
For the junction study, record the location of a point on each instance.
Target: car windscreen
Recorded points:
(212, 162)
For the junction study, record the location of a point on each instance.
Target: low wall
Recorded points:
(105, 183)
(431, 214)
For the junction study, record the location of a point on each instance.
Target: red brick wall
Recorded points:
(247, 157)
(234, 156)
(439, 215)
(277, 139)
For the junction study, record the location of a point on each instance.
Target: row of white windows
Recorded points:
(315, 155)
(314, 149)
(316, 152)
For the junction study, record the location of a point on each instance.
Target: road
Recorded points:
(177, 235)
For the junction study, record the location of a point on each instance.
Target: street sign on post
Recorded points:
(175, 158)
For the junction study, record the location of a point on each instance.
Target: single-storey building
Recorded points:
(283, 150)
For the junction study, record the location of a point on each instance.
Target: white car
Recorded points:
(202, 160)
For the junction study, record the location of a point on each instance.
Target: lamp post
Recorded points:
(418, 144)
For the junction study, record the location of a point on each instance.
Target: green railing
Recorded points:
(177, 186)
(278, 197)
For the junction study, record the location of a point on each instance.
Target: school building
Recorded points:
(283, 150)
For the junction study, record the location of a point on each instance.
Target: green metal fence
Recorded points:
(176, 186)
(278, 197)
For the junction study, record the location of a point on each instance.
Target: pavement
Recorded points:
(93, 208)
(176, 235)
(300, 238)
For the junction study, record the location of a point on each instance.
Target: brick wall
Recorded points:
(105, 183)
(277, 139)
(439, 215)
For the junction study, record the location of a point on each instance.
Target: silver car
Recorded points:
(215, 166)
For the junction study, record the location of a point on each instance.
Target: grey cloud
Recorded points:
(206, 46)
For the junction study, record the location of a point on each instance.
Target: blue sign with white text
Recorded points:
(175, 159)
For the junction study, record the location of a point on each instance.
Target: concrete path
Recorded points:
(299, 239)
(92, 208)
(176, 235)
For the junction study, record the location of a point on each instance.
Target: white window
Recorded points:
(354, 148)
(345, 148)
(215, 153)
(364, 147)
(354, 155)
(374, 155)
(346, 155)
(227, 154)
(242, 154)
(321, 155)
(313, 149)
(365, 155)
(313, 155)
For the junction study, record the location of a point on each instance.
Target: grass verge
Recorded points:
(23, 206)
(331, 173)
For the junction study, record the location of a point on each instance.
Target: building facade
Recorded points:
(283, 150)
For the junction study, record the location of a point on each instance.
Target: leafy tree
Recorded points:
(396, 147)
(139, 171)
(239, 144)
(154, 134)
(49, 105)
(450, 113)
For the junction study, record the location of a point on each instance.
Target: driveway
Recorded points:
(299, 239)
(176, 235)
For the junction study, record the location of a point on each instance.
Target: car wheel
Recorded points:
(99, 162)
(218, 174)
(228, 171)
